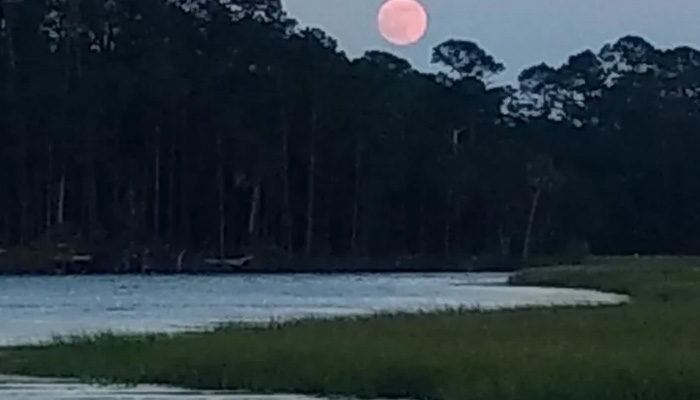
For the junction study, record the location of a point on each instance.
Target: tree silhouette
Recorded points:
(184, 135)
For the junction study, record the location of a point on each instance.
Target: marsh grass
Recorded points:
(649, 349)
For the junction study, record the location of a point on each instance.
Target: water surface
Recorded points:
(35, 308)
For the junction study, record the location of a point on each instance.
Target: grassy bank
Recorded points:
(649, 349)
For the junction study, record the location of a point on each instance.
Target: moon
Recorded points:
(402, 22)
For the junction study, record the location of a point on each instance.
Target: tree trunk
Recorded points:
(73, 22)
(14, 111)
(116, 207)
(49, 189)
(407, 216)
(472, 131)
(286, 206)
(133, 213)
(74, 75)
(530, 223)
(265, 228)
(356, 198)
(91, 188)
(23, 191)
(310, 202)
(184, 223)
(220, 184)
(448, 221)
(311, 188)
(9, 19)
(504, 242)
(328, 213)
(60, 204)
(450, 199)
(254, 209)
(38, 205)
(422, 243)
(180, 258)
(156, 184)
(171, 194)
(143, 193)
(7, 231)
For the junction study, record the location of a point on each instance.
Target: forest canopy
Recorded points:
(222, 127)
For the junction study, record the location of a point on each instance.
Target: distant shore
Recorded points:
(195, 264)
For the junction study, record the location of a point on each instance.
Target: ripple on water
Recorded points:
(21, 388)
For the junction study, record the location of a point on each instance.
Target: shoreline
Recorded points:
(565, 352)
(320, 272)
(302, 265)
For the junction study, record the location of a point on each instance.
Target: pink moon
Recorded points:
(402, 22)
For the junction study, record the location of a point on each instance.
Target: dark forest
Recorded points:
(222, 129)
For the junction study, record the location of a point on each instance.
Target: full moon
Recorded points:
(402, 22)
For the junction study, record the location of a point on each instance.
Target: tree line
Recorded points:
(223, 127)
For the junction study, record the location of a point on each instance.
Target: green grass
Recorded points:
(647, 350)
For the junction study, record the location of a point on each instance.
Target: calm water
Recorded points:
(35, 308)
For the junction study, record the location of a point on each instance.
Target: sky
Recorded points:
(519, 33)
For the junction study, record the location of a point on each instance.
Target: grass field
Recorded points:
(648, 349)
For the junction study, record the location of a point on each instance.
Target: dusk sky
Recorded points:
(519, 33)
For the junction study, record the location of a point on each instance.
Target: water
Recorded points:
(36, 308)
(19, 388)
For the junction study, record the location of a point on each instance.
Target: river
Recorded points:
(34, 309)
